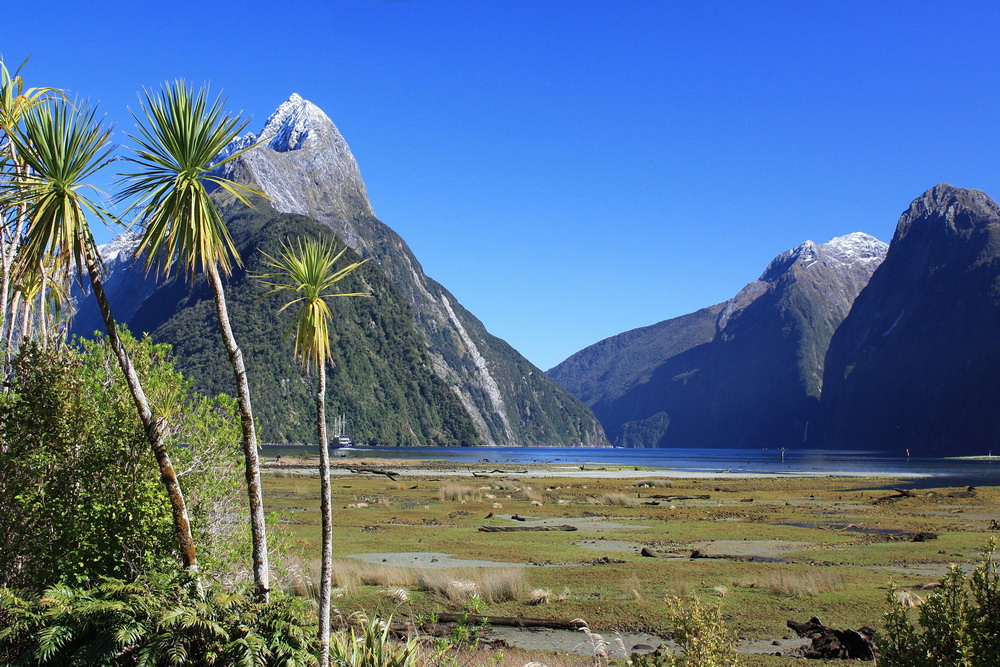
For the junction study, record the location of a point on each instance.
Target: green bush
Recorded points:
(371, 646)
(153, 621)
(701, 631)
(80, 494)
(958, 624)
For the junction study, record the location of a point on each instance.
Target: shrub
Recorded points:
(702, 634)
(155, 620)
(371, 646)
(958, 623)
(80, 495)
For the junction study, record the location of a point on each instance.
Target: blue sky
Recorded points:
(571, 170)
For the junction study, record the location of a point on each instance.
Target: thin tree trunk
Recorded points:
(42, 324)
(261, 568)
(9, 253)
(153, 426)
(326, 512)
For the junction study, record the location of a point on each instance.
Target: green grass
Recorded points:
(835, 577)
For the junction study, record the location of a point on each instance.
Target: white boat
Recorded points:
(341, 439)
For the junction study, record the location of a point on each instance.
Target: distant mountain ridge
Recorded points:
(302, 162)
(744, 373)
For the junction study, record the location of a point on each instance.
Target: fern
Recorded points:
(153, 621)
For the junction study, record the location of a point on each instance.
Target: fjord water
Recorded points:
(917, 471)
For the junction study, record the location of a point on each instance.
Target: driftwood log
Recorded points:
(388, 473)
(697, 553)
(520, 529)
(833, 644)
(900, 493)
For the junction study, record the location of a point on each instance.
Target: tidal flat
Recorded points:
(770, 549)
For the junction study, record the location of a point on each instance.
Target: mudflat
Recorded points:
(608, 545)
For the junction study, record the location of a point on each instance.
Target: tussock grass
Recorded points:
(539, 596)
(460, 585)
(616, 499)
(457, 493)
(801, 584)
(350, 574)
(654, 483)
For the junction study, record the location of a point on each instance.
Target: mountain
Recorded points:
(126, 287)
(744, 373)
(305, 166)
(437, 376)
(916, 364)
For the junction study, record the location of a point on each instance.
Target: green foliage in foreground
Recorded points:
(702, 634)
(153, 621)
(959, 623)
(80, 495)
(372, 646)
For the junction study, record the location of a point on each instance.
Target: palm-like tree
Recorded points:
(308, 273)
(181, 135)
(15, 101)
(62, 146)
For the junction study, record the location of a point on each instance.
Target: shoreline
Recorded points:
(415, 468)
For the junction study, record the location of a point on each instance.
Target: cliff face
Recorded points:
(744, 373)
(916, 364)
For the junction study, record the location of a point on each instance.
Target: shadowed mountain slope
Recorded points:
(745, 373)
(916, 365)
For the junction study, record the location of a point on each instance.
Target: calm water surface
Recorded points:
(919, 472)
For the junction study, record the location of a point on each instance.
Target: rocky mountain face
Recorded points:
(303, 164)
(916, 364)
(744, 373)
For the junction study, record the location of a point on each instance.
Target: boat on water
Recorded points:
(341, 440)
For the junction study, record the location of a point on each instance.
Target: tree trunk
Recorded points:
(153, 426)
(261, 568)
(326, 512)
(42, 324)
(9, 253)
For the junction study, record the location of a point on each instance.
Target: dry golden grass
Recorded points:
(350, 574)
(616, 499)
(457, 493)
(801, 584)
(539, 596)
(461, 584)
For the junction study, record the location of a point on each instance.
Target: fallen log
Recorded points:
(659, 497)
(518, 529)
(833, 644)
(698, 554)
(649, 553)
(900, 493)
(388, 473)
